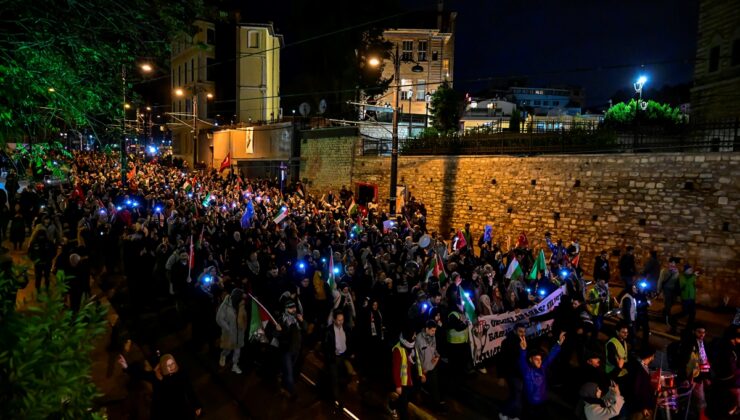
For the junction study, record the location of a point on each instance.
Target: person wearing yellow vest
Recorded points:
(406, 365)
(616, 353)
(598, 305)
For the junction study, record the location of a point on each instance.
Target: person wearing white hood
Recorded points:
(595, 407)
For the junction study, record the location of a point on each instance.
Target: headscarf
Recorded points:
(236, 298)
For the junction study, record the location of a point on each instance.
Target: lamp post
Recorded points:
(397, 60)
(428, 98)
(146, 68)
(638, 85)
(196, 91)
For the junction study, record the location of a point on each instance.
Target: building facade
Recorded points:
(543, 101)
(433, 50)
(716, 91)
(192, 87)
(258, 73)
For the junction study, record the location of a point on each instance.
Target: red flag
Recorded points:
(132, 173)
(522, 241)
(461, 242)
(576, 260)
(226, 163)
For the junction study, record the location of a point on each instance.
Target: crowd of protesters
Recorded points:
(278, 271)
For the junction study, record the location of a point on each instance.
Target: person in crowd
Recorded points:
(592, 370)
(726, 385)
(595, 405)
(173, 396)
(669, 286)
(628, 311)
(598, 301)
(617, 354)
(41, 250)
(291, 323)
(601, 267)
(407, 367)
(426, 347)
(17, 230)
(232, 318)
(338, 353)
(641, 398)
(651, 271)
(694, 358)
(628, 267)
(533, 366)
(458, 347)
(687, 284)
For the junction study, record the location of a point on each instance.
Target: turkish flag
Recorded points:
(226, 163)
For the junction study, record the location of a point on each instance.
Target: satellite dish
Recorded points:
(322, 106)
(304, 109)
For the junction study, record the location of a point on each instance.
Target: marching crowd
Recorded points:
(279, 272)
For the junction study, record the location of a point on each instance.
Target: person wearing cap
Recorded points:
(641, 399)
(594, 405)
(291, 323)
(687, 283)
(426, 347)
(407, 365)
(668, 285)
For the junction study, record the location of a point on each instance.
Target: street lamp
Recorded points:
(641, 105)
(397, 60)
(639, 84)
(146, 68)
(196, 91)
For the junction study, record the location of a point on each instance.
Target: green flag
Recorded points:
(540, 266)
(469, 306)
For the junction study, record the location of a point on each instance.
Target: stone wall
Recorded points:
(683, 205)
(327, 157)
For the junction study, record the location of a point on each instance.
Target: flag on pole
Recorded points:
(282, 215)
(331, 278)
(522, 241)
(540, 266)
(188, 186)
(437, 269)
(132, 173)
(460, 241)
(488, 234)
(514, 272)
(191, 257)
(353, 208)
(259, 319)
(248, 215)
(226, 162)
(576, 260)
(468, 306)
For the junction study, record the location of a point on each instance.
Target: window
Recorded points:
(539, 92)
(446, 66)
(254, 39)
(407, 50)
(555, 103)
(546, 103)
(421, 90)
(186, 72)
(179, 75)
(422, 53)
(210, 36)
(714, 59)
(209, 69)
(536, 103)
(435, 55)
(192, 69)
(735, 57)
(406, 89)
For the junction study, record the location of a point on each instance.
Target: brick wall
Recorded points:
(683, 205)
(327, 158)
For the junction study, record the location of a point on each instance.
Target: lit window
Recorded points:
(446, 66)
(407, 50)
(421, 90)
(539, 92)
(422, 51)
(714, 59)
(406, 89)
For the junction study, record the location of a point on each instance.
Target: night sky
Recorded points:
(548, 40)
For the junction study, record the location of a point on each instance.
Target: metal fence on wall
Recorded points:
(712, 136)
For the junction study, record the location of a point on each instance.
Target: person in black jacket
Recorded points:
(601, 267)
(627, 268)
(338, 353)
(290, 344)
(726, 385)
(640, 398)
(509, 370)
(173, 396)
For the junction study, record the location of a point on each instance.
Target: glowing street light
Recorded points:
(52, 90)
(374, 62)
(146, 67)
(179, 92)
(639, 84)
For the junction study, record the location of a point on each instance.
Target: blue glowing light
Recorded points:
(336, 270)
(351, 235)
(424, 307)
(135, 204)
(323, 260)
(564, 273)
(542, 292)
(643, 284)
(152, 149)
(467, 294)
(190, 195)
(118, 208)
(207, 279)
(102, 211)
(529, 290)
(301, 266)
(158, 209)
(128, 202)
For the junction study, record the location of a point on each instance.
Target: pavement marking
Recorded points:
(307, 379)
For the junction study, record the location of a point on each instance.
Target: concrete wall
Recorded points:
(683, 205)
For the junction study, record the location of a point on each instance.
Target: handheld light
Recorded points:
(542, 292)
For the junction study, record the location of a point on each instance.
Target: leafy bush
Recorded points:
(623, 115)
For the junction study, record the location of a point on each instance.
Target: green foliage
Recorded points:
(60, 62)
(622, 115)
(45, 357)
(429, 132)
(371, 79)
(44, 158)
(445, 109)
(515, 121)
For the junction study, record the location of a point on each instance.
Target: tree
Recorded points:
(624, 114)
(60, 62)
(45, 359)
(445, 109)
(515, 121)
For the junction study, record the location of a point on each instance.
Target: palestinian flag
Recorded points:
(514, 272)
(331, 278)
(468, 306)
(353, 208)
(540, 266)
(282, 215)
(188, 186)
(437, 269)
(259, 318)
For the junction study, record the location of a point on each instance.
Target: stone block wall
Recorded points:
(680, 204)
